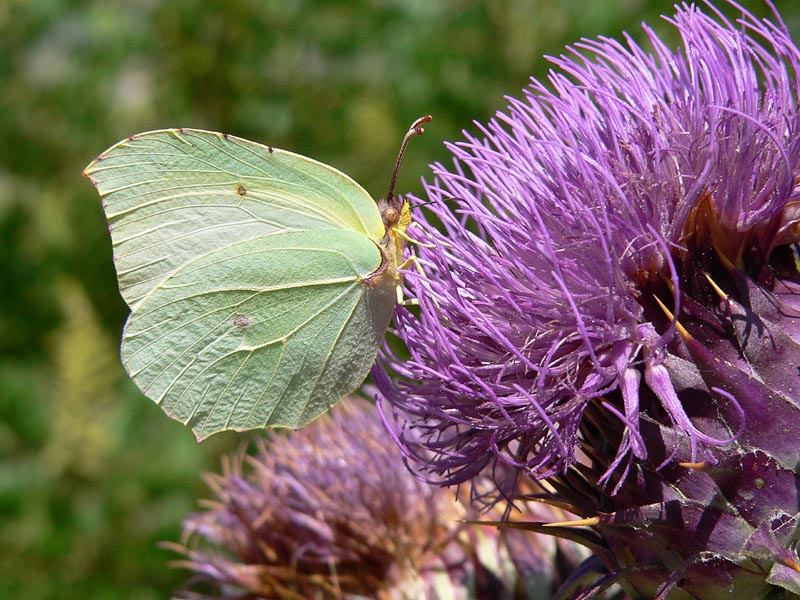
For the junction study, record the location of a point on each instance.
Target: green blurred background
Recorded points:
(92, 475)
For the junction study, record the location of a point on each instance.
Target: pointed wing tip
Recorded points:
(203, 432)
(87, 172)
(200, 436)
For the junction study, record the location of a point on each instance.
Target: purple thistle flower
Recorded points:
(610, 298)
(329, 511)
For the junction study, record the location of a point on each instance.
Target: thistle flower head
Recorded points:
(609, 289)
(329, 511)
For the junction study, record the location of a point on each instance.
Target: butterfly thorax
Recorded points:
(396, 219)
(396, 222)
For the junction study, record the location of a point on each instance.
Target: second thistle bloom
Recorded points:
(329, 512)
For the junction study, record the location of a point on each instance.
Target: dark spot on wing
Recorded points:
(241, 321)
(241, 190)
(271, 149)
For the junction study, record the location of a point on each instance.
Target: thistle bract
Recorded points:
(608, 298)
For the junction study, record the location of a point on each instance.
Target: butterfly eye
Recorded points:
(391, 216)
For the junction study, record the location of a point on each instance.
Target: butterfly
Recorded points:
(260, 282)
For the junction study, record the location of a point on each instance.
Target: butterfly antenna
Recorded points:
(415, 129)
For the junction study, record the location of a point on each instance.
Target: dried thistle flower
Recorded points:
(330, 511)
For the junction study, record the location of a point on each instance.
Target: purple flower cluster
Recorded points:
(573, 230)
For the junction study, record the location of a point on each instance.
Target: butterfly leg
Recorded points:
(406, 301)
(411, 260)
(401, 233)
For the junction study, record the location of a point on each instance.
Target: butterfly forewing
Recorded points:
(174, 194)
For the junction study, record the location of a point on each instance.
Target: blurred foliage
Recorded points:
(91, 474)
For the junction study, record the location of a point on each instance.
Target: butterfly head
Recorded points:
(396, 213)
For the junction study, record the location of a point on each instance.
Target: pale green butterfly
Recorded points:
(260, 282)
